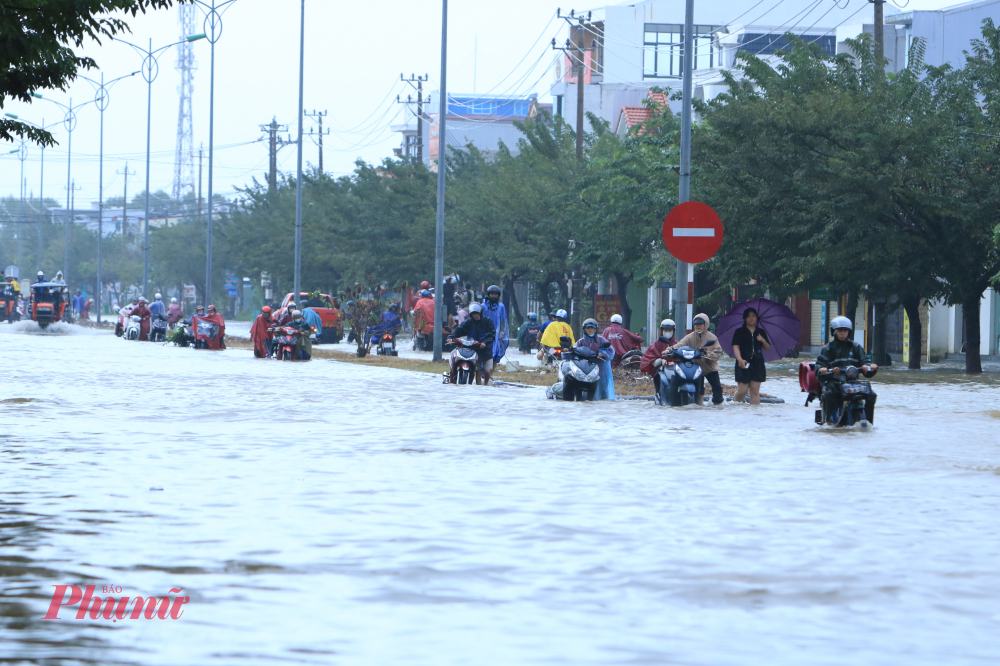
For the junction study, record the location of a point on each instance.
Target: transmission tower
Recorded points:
(186, 65)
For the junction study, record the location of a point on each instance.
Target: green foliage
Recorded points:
(36, 47)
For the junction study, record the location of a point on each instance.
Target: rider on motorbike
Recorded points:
(482, 330)
(303, 345)
(554, 330)
(622, 339)
(595, 343)
(530, 325)
(709, 360)
(842, 350)
(174, 312)
(655, 354)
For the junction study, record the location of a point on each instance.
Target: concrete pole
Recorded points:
(298, 181)
(442, 164)
(685, 272)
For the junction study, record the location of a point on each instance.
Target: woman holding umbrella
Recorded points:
(749, 344)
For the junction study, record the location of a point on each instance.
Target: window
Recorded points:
(767, 44)
(663, 54)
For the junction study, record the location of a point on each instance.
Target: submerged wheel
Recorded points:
(464, 377)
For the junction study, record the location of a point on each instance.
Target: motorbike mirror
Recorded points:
(709, 343)
(664, 339)
(565, 341)
(605, 345)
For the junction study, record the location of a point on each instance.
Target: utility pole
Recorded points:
(580, 68)
(125, 173)
(420, 109)
(439, 309)
(201, 153)
(274, 143)
(318, 116)
(685, 272)
(879, 32)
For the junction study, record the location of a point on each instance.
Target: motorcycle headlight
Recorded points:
(852, 373)
(697, 373)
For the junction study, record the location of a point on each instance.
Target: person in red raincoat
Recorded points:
(215, 317)
(652, 358)
(260, 333)
(423, 314)
(621, 339)
(143, 313)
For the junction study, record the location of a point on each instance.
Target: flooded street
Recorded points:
(327, 513)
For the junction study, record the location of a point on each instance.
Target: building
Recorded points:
(483, 121)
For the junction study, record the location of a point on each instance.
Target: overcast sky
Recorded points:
(355, 52)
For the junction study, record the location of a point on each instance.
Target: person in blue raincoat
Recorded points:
(591, 340)
(389, 323)
(313, 319)
(495, 311)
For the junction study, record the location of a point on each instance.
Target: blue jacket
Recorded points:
(498, 315)
(389, 323)
(157, 308)
(313, 319)
(79, 302)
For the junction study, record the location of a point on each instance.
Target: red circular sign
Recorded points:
(692, 232)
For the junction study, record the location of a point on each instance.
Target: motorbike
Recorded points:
(464, 361)
(285, 338)
(682, 382)
(182, 335)
(386, 346)
(8, 305)
(133, 327)
(632, 358)
(531, 342)
(579, 370)
(158, 329)
(848, 384)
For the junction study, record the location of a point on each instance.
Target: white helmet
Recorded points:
(296, 314)
(158, 296)
(562, 314)
(616, 319)
(668, 323)
(841, 322)
(475, 307)
(173, 300)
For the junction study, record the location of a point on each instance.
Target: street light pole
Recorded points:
(298, 181)
(70, 122)
(101, 98)
(442, 160)
(22, 154)
(213, 31)
(150, 70)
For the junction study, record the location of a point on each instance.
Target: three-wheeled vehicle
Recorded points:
(48, 302)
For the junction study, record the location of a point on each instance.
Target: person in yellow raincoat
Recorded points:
(555, 330)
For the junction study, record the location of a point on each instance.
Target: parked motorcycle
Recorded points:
(632, 358)
(158, 329)
(579, 370)
(846, 387)
(463, 362)
(683, 382)
(133, 327)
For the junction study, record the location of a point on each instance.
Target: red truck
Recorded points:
(333, 319)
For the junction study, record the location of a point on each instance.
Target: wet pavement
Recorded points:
(327, 513)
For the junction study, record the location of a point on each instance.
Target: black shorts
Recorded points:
(451, 307)
(755, 373)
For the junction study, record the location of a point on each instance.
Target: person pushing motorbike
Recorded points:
(656, 353)
(482, 330)
(622, 339)
(842, 350)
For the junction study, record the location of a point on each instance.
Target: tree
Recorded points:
(36, 40)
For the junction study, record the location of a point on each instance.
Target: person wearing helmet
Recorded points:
(174, 312)
(842, 351)
(262, 335)
(556, 329)
(655, 355)
(141, 310)
(40, 292)
(157, 308)
(425, 285)
(527, 334)
(750, 341)
(599, 344)
(496, 312)
(448, 294)
(709, 361)
(480, 329)
(303, 344)
(423, 322)
(622, 339)
(388, 324)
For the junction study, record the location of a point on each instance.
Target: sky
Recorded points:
(354, 55)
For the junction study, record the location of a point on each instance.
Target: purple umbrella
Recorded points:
(781, 324)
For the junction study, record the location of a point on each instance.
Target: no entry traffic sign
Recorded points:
(692, 232)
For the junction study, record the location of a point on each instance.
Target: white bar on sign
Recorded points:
(693, 232)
